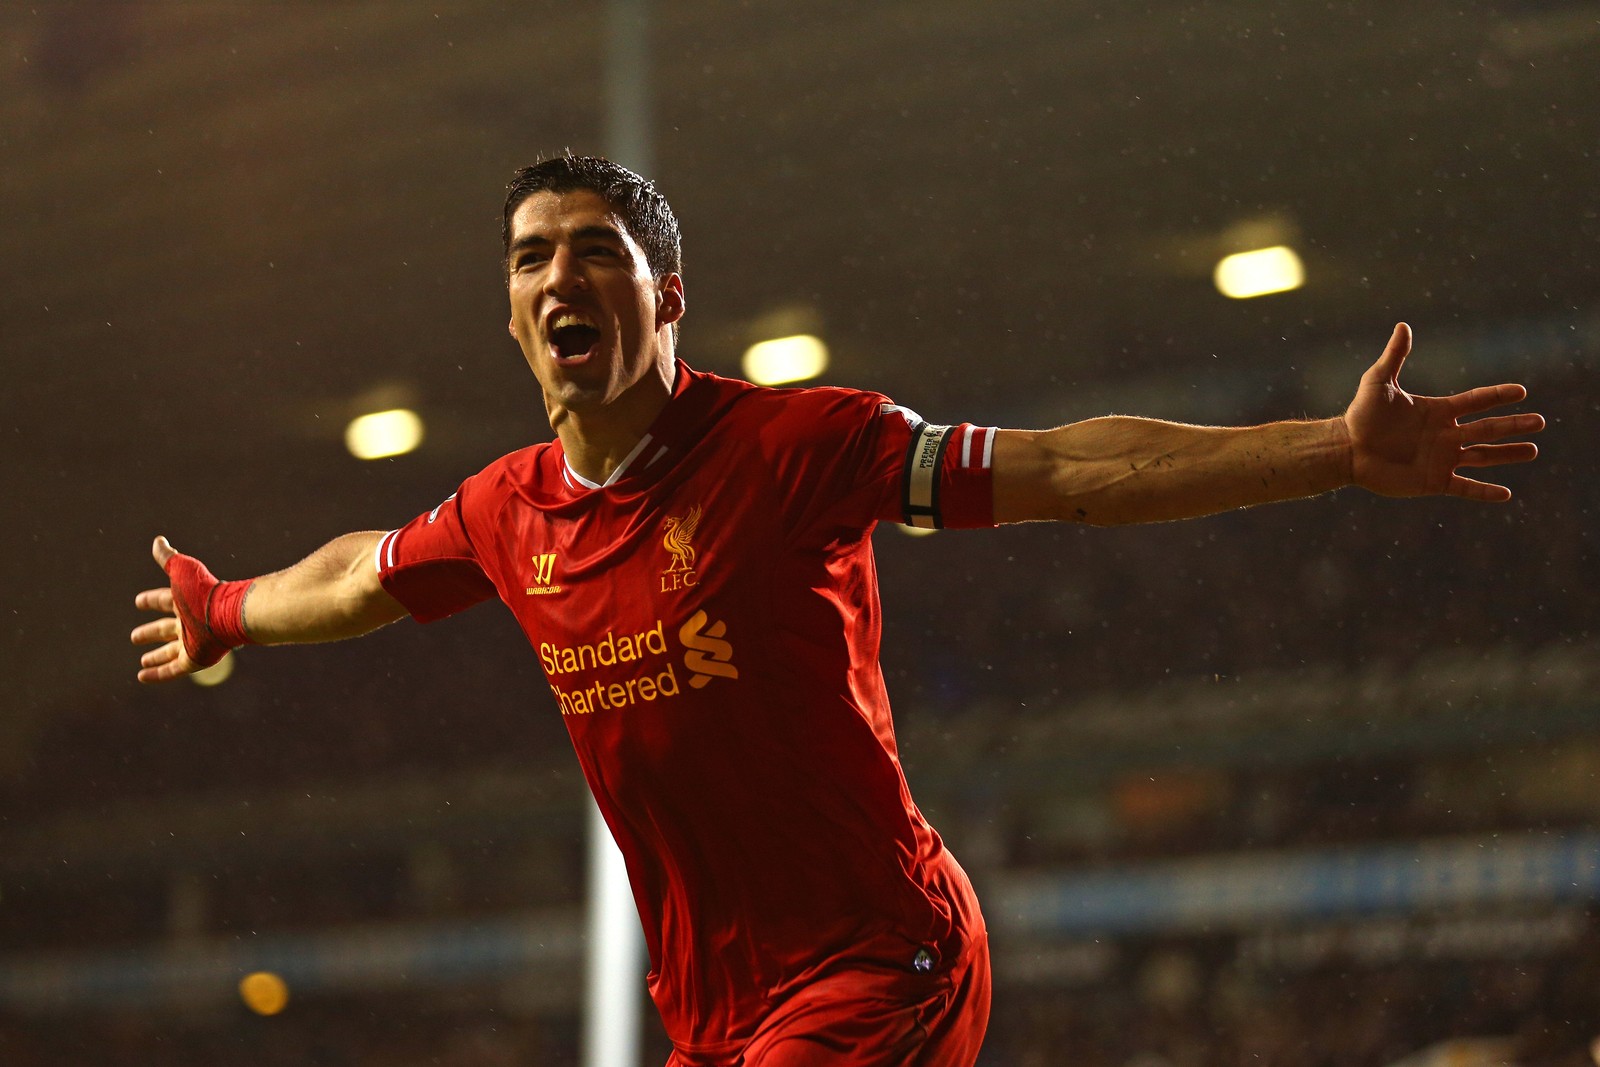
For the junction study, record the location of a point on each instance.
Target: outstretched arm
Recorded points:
(332, 594)
(1117, 469)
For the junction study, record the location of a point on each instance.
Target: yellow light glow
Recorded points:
(914, 531)
(264, 992)
(785, 359)
(1266, 270)
(383, 433)
(215, 674)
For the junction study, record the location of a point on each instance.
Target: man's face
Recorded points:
(590, 318)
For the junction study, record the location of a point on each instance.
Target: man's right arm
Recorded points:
(332, 594)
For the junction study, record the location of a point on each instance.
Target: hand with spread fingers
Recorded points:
(1406, 445)
(186, 639)
(169, 660)
(332, 594)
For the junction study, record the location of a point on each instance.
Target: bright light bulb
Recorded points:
(264, 992)
(215, 674)
(785, 359)
(1257, 273)
(383, 433)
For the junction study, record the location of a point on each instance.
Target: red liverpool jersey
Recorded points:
(708, 622)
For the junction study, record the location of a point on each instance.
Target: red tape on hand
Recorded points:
(211, 611)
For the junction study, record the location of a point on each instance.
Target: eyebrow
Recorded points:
(584, 233)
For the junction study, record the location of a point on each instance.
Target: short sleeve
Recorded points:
(430, 565)
(858, 458)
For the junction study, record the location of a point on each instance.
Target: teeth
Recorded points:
(571, 318)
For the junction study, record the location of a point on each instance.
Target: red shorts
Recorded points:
(873, 1015)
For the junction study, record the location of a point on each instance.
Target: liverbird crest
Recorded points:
(679, 538)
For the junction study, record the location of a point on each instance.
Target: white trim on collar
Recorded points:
(573, 476)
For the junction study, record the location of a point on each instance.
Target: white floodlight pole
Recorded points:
(614, 997)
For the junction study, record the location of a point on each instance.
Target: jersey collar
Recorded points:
(689, 402)
(574, 479)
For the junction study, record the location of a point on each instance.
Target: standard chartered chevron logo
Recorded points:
(709, 656)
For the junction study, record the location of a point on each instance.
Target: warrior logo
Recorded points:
(679, 543)
(544, 569)
(708, 654)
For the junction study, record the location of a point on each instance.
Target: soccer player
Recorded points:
(691, 561)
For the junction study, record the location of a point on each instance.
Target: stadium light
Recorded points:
(264, 992)
(383, 433)
(215, 674)
(785, 359)
(1265, 270)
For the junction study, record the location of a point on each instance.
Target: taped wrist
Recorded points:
(211, 611)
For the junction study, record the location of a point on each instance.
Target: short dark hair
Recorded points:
(643, 210)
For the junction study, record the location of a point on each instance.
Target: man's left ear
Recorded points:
(669, 300)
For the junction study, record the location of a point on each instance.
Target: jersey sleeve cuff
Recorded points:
(949, 477)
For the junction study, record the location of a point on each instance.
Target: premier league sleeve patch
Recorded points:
(948, 477)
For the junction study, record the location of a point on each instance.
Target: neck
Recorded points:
(596, 442)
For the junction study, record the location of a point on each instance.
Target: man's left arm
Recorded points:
(1119, 469)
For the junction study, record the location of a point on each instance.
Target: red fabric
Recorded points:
(874, 1016)
(867, 1014)
(212, 612)
(709, 626)
(227, 613)
(966, 483)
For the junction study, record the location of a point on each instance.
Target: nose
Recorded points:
(565, 274)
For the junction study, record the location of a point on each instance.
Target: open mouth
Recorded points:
(573, 341)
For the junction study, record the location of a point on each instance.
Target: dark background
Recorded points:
(228, 228)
